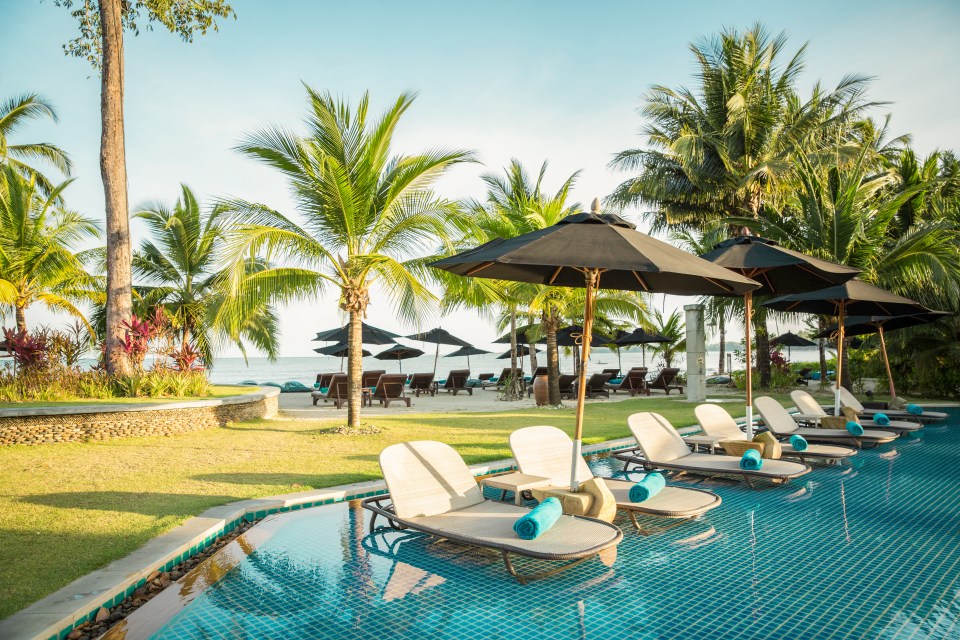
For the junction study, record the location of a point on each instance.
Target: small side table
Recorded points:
(516, 482)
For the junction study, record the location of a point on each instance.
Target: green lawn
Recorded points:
(216, 391)
(68, 509)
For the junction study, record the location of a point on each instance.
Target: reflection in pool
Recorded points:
(864, 551)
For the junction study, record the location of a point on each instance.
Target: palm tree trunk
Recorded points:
(354, 368)
(553, 361)
(823, 352)
(763, 348)
(21, 315)
(113, 169)
(533, 359)
(723, 345)
(513, 390)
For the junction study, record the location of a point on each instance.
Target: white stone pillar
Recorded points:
(696, 354)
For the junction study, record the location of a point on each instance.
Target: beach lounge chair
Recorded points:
(635, 382)
(456, 381)
(336, 392)
(323, 380)
(664, 381)
(719, 425)
(847, 399)
(596, 385)
(781, 424)
(500, 381)
(811, 411)
(390, 389)
(568, 385)
(432, 490)
(660, 446)
(369, 379)
(803, 376)
(614, 373)
(422, 383)
(546, 452)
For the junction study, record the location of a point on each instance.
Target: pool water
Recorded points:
(867, 549)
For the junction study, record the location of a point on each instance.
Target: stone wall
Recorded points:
(47, 425)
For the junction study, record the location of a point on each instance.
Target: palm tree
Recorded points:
(369, 218)
(725, 149)
(38, 259)
(670, 327)
(178, 270)
(15, 113)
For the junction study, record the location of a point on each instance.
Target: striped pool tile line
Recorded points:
(867, 549)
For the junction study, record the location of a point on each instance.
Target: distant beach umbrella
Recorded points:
(643, 338)
(399, 353)
(866, 325)
(522, 351)
(779, 271)
(620, 333)
(594, 250)
(439, 336)
(855, 297)
(369, 335)
(524, 336)
(340, 350)
(790, 339)
(466, 351)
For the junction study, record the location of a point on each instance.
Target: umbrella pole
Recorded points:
(591, 276)
(748, 312)
(886, 362)
(436, 354)
(840, 332)
(619, 364)
(643, 350)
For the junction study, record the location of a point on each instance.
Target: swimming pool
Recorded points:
(867, 549)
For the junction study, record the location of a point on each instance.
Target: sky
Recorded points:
(558, 81)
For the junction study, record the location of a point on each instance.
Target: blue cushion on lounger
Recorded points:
(615, 380)
(915, 409)
(751, 460)
(444, 381)
(799, 443)
(324, 389)
(651, 485)
(855, 428)
(539, 519)
(881, 419)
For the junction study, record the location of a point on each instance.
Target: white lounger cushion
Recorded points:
(847, 399)
(546, 452)
(781, 423)
(808, 405)
(657, 437)
(427, 478)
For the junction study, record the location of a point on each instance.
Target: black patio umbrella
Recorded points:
(522, 351)
(855, 297)
(642, 337)
(439, 336)
(572, 336)
(466, 351)
(522, 336)
(399, 353)
(866, 325)
(790, 339)
(780, 271)
(594, 250)
(340, 350)
(369, 335)
(620, 333)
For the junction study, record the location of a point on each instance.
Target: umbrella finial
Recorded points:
(595, 206)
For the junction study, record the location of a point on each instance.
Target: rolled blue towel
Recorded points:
(751, 460)
(615, 380)
(856, 428)
(541, 517)
(915, 409)
(881, 419)
(651, 485)
(798, 442)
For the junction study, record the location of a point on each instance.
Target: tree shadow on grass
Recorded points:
(149, 504)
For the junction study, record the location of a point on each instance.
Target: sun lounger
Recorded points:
(847, 399)
(422, 383)
(500, 381)
(568, 385)
(635, 382)
(456, 381)
(547, 451)
(659, 446)
(803, 376)
(664, 381)
(323, 380)
(390, 389)
(432, 491)
(614, 373)
(811, 411)
(596, 385)
(781, 424)
(369, 379)
(719, 425)
(336, 392)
